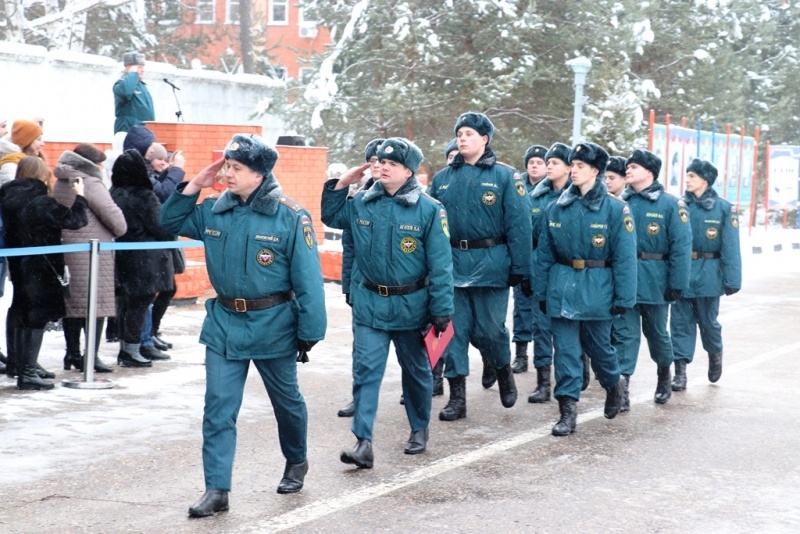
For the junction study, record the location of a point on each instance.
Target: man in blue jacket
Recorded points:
(262, 259)
(132, 101)
(490, 229)
(404, 284)
(664, 248)
(716, 270)
(535, 171)
(586, 273)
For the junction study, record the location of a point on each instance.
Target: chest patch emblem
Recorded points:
(735, 221)
(408, 245)
(520, 189)
(308, 236)
(599, 240)
(489, 198)
(684, 215)
(712, 232)
(653, 228)
(265, 257)
(628, 224)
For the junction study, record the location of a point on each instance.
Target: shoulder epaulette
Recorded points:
(436, 200)
(506, 165)
(291, 204)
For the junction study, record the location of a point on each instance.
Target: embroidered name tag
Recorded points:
(363, 222)
(212, 232)
(410, 228)
(268, 238)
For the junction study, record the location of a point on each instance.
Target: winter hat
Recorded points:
(477, 121)
(402, 151)
(646, 159)
(90, 152)
(130, 170)
(704, 169)
(452, 145)
(617, 164)
(558, 151)
(139, 138)
(23, 133)
(536, 151)
(372, 148)
(159, 152)
(590, 153)
(132, 58)
(252, 151)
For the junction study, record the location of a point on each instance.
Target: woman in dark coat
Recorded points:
(139, 274)
(33, 218)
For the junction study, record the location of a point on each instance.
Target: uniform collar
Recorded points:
(484, 162)
(264, 200)
(651, 192)
(545, 187)
(706, 200)
(592, 199)
(407, 195)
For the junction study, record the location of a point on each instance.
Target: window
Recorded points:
(204, 12)
(279, 12)
(232, 12)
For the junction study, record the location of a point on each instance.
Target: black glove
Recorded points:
(673, 294)
(347, 299)
(440, 324)
(515, 279)
(525, 286)
(618, 310)
(731, 290)
(302, 350)
(543, 306)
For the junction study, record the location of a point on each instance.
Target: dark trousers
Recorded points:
(131, 315)
(160, 305)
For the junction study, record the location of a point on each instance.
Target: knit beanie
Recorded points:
(23, 133)
(140, 138)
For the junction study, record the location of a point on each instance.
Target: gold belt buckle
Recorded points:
(578, 265)
(383, 290)
(240, 305)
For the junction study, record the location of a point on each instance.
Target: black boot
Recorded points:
(153, 354)
(417, 442)
(112, 334)
(520, 363)
(714, 366)
(456, 407)
(569, 417)
(212, 501)
(614, 396)
(293, 477)
(360, 456)
(11, 343)
(489, 376)
(507, 386)
(587, 371)
(129, 356)
(626, 395)
(664, 386)
(679, 381)
(159, 337)
(349, 410)
(29, 344)
(438, 378)
(542, 391)
(99, 366)
(72, 335)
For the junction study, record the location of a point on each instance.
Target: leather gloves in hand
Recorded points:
(543, 306)
(302, 350)
(731, 290)
(672, 295)
(523, 281)
(347, 299)
(440, 324)
(618, 310)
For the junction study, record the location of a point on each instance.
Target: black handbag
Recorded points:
(179, 260)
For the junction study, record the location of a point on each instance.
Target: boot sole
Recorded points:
(347, 459)
(456, 418)
(197, 515)
(129, 364)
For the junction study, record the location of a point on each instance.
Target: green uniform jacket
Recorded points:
(253, 251)
(398, 240)
(715, 228)
(595, 226)
(540, 198)
(132, 103)
(662, 227)
(485, 201)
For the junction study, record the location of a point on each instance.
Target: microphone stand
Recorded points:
(175, 89)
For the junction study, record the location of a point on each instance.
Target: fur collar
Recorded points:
(651, 192)
(545, 187)
(407, 195)
(7, 146)
(592, 200)
(71, 164)
(265, 202)
(484, 162)
(706, 200)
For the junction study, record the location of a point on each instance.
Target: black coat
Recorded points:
(33, 219)
(139, 272)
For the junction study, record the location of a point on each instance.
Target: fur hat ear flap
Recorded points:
(477, 121)
(590, 153)
(402, 151)
(252, 151)
(371, 149)
(536, 151)
(558, 151)
(704, 169)
(646, 159)
(617, 165)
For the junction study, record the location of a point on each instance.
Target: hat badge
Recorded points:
(578, 148)
(389, 150)
(234, 146)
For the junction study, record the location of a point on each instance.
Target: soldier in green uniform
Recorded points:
(404, 284)
(716, 270)
(262, 259)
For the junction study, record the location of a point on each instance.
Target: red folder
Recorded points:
(435, 345)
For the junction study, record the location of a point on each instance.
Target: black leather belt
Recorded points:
(387, 291)
(580, 265)
(705, 255)
(244, 305)
(464, 244)
(649, 256)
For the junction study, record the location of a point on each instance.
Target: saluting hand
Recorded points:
(351, 176)
(204, 178)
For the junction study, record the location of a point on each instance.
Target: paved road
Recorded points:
(716, 458)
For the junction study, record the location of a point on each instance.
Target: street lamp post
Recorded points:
(580, 66)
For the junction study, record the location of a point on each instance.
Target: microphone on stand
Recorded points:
(171, 84)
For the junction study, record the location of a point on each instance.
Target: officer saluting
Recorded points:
(262, 260)
(716, 270)
(404, 283)
(586, 272)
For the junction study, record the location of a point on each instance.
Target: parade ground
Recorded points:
(721, 457)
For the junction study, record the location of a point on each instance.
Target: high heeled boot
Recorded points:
(72, 335)
(29, 343)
